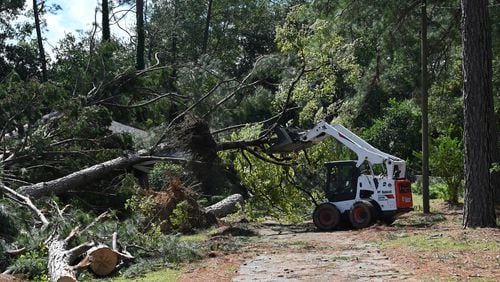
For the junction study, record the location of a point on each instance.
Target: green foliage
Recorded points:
(397, 131)
(162, 173)
(179, 216)
(446, 161)
(278, 191)
(495, 168)
(33, 264)
(327, 57)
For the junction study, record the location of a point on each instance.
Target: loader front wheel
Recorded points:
(326, 216)
(361, 215)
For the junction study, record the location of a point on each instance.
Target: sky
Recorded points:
(77, 15)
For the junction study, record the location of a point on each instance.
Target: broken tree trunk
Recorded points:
(191, 143)
(225, 207)
(60, 259)
(82, 177)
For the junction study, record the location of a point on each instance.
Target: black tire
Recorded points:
(326, 217)
(361, 215)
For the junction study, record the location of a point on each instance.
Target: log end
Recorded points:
(67, 278)
(103, 260)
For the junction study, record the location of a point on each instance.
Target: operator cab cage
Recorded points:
(341, 180)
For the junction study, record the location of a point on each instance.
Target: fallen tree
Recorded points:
(63, 262)
(193, 145)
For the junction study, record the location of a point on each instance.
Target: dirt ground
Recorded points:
(416, 248)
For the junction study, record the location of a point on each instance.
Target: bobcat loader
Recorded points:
(354, 193)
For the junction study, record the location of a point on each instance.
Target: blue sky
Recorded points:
(77, 15)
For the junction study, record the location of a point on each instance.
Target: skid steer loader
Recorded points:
(354, 193)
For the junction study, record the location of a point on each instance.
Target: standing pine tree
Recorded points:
(39, 39)
(479, 117)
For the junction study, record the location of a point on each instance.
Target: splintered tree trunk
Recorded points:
(59, 260)
(479, 122)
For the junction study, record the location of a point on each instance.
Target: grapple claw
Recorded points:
(288, 140)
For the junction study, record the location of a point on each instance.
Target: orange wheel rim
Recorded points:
(326, 217)
(359, 214)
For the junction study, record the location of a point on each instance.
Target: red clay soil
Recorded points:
(301, 254)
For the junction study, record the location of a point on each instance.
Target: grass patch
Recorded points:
(341, 258)
(199, 237)
(439, 242)
(165, 274)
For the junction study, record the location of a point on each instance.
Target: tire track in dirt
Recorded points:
(317, 256)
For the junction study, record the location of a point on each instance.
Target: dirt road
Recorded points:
(288, 255)
(418, 248)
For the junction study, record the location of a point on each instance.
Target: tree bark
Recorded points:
(39, 39)
(60, 259)
(479, 121)
(139, 6)
(106, 34)
(81, 178)
(425, 112)
(225, 207)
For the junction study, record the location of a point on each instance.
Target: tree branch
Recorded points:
(27, 201)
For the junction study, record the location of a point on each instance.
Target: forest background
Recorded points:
(240, 67)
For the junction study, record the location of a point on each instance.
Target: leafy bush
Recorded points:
(438, 191)
(33, 264)
(398, 131)
(446, 161)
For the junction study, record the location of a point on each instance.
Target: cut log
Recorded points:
(226, 206)
(102, 259)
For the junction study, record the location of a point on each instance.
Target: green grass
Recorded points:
(439, 242)
(198, 237)
(335, 258)
(162, 275)
(418, 203)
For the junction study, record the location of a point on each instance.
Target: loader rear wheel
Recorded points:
(361, 215)
(326, 216)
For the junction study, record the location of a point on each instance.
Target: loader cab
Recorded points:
(341, 180)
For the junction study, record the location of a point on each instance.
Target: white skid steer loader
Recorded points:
(353, 194)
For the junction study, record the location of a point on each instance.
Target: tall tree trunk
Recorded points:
(207, 27)
(106, 34)
(425, 112)
(139, 7)
(173, 77)
(479, 121)
(41, 51)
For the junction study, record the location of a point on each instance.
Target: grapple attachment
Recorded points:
(288, 140)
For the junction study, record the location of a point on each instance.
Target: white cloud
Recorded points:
(79, 16)
(75, 16)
